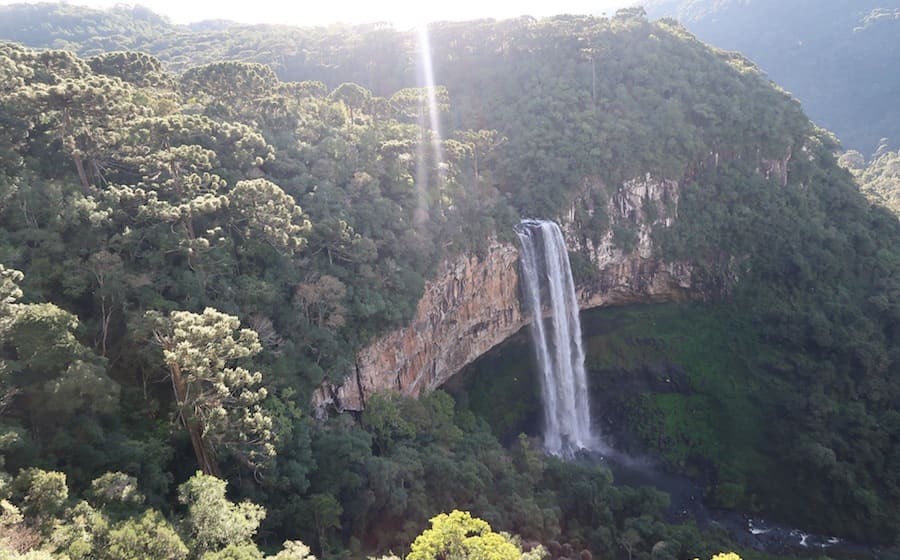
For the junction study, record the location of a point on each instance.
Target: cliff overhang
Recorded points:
(474, 303)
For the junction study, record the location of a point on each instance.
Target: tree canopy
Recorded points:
(202, 242)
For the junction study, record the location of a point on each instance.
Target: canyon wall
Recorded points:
(473, 302)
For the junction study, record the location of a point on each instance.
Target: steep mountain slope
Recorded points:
(837, 57)
(880, 178)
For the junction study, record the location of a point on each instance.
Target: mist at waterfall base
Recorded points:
(556, 364)
(503, 388)
(548, 290)
(547, 284)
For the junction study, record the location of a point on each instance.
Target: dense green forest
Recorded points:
(837, 57)
(879, 178)
(190, 249)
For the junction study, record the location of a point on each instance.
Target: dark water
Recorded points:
(746, 531)
(507, 375)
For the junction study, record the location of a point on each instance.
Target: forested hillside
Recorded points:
(189, 251)
(837, 57)
(879, 178)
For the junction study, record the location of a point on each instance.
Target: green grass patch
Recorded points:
(720, 418)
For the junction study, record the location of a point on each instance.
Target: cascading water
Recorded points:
(558, 345)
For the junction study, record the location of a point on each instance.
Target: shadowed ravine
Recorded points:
(746, 530)
(509, 372)
(556, 340)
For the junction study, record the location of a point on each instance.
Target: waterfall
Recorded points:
(558, 347)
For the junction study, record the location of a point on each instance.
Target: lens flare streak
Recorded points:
(431, 127)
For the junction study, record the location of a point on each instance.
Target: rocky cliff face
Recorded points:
(473, 303)
(629, 271)
(469, 307)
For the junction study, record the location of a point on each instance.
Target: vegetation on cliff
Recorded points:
(879, 179)
(155, 213)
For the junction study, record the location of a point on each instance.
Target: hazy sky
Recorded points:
(321, 12)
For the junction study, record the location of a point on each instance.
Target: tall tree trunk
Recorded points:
(79, 163)
(106, 317)
(187, 224)
(204, 458)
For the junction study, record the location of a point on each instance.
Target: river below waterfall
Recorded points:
(747, 531)
(503, 387)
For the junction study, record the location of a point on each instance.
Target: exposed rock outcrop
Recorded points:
(469, 307)
(631, 273)
(473, 303)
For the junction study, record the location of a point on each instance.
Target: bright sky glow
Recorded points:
(403, 14)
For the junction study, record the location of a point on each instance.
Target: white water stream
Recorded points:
(548, 285)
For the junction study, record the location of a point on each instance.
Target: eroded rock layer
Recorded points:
(473, 303)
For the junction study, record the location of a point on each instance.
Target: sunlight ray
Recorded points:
(433, 123)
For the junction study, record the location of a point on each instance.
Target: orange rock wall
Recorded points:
(473, 303)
